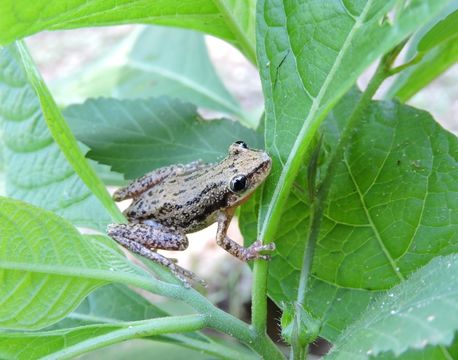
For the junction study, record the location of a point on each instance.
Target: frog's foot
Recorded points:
(182, 274)
(253, 251)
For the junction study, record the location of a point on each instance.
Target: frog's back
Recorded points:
(188, 203)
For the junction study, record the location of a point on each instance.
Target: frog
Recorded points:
(175, 200)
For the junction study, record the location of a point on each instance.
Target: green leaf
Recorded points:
(421, 311)
(444, 31)
(307, 63)
(39, 344)
(439, 352)
(231, 20)
(36, 170)
(63, 136)
(179, 67)
(47, 267)
(111, 303)
(418, 76)
(68, 343)
(392, 207)
(136, 136)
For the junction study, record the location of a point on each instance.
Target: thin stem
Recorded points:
(408, 64)
(315, 222)
(133, 330)
(259, 297)
(314, 226)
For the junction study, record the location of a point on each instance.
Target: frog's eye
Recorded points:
(238, 183)
(242, 144)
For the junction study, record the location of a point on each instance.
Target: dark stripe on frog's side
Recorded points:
(190, 217)
(191, 177)
(210, 201)
(182, 191)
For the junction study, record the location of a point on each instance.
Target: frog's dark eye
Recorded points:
(238, 183)
(242, 144)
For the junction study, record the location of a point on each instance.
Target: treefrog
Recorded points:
(175, 200)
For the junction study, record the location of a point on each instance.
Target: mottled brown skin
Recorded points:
(172, 201)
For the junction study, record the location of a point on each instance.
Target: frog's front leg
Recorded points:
(147, 181)
(243, 253)
(144, 238)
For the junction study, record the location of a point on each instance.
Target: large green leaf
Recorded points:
(231, 20)
(392, 207)
(421, 311)
(144, 65)
(35, 168)
(310, 54)
(136, 136)
(47, 267)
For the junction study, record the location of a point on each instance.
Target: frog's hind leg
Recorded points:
(149, 180)
(150, 234)
(145, 238)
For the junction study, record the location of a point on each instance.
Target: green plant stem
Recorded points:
(298, 352)
(408, 64)
(315, 221)
(133, 330)
(259, 296)
(222, 321)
